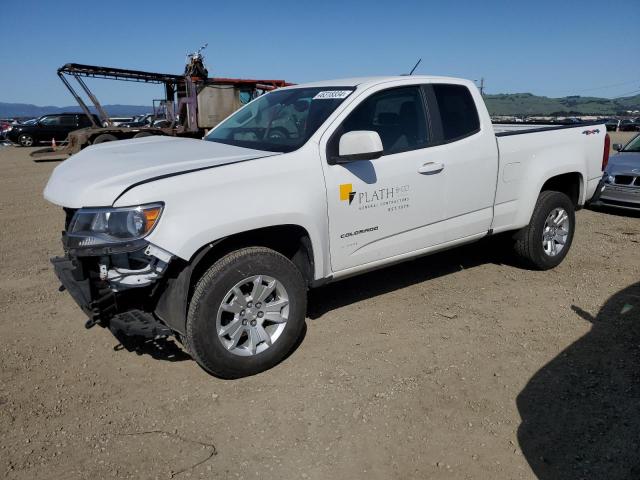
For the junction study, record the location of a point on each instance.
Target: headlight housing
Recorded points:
(93, 227)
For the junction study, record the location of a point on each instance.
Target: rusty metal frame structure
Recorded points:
(170, 81)
(77, 71)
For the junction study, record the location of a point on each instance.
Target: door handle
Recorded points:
(431, 168)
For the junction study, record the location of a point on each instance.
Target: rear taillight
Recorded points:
(605, 154)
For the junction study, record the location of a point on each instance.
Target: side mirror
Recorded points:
(359, 145)
(618, 146)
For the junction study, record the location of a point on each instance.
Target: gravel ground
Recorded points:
(459, 365)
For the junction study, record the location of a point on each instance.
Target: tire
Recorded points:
(206, 315)
(143, 134)
(530, 242)
(104, 137)
(26, 140)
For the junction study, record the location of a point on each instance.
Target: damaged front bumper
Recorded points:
(117, 287)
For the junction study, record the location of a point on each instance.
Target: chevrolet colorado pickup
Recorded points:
(216, 241)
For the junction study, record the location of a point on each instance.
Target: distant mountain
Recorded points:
(498, 104)
(10, 110)
(529, 104)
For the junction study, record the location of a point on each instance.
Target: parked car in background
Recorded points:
(117, 121)
(630, 125)
(5, 124)
(620, 184)
(612, 124)
(47, 128)
(139, 121)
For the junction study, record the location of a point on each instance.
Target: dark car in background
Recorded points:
(612, 124)
(630, 125)
(47, 128)
(5, 124)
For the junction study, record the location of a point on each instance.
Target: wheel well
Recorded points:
(292, 241)
(568, 183)
(173, 299)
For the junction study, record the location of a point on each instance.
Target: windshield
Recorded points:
(280, 121)
(633, 145)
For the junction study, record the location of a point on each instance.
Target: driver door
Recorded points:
(392, 205)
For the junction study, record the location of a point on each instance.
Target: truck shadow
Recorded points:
(581, 412)
(617, 212)
(159, 348)
(496, 249)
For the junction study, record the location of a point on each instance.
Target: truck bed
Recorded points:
(549, 150)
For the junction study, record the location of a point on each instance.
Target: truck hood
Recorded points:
(97, 175)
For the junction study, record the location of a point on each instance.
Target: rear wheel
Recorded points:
(105, 137)
(246, 313)
(26, 140)
(142, 134)
(547, 239)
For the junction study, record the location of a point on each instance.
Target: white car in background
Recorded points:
(117, 121)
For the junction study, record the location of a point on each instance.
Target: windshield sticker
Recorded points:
(332, 94)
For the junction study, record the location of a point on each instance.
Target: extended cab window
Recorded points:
(397, 115)
(458, 112)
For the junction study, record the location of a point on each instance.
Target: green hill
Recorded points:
(529, 104)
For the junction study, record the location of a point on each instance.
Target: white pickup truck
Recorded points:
(216, 241)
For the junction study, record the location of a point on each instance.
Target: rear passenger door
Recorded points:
(468, 151)
(48, 128)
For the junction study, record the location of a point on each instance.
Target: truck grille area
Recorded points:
(629, 180)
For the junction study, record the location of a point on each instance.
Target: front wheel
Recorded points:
(26, 140)
(246, 313)
(545, 242)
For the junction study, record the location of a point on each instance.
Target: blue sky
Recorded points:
(552, 48)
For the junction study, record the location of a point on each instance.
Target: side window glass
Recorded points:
(458, 112)
(68, 120)
(397, 115)
(49, 121)
(83, 121)
(245, 96)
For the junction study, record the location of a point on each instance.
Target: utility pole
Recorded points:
(482, 86)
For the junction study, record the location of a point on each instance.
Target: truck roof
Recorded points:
(374, 80)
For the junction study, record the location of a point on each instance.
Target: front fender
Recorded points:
(204, 206)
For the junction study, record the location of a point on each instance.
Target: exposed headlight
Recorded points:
(608, 178)
(91, 227)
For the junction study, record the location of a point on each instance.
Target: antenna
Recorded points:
(415, 66)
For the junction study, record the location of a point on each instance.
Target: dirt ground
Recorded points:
(461, 365)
